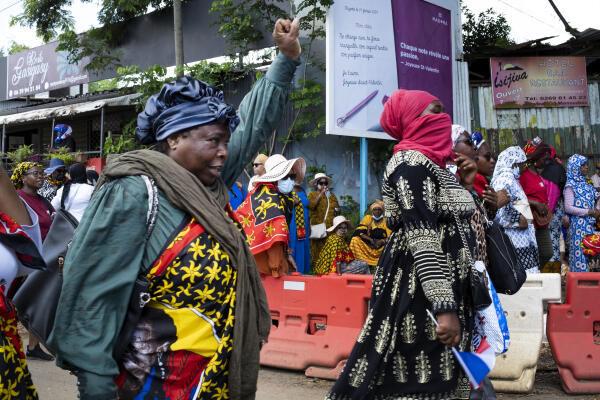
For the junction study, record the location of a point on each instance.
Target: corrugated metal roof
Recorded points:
(66, 110)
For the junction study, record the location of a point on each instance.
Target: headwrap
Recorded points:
(535, 152)
(22, 168)
(377, 204)
(429, 134)
(477, 138)
(181, 105)
(63, 131)
(503, 172)
(575, 179)
(457, 131)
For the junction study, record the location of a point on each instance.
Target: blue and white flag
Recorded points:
(477, 365)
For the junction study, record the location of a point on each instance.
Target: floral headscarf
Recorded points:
(504, 176)
(575, 179)
(17, 175)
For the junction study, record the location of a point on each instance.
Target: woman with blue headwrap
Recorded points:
(580, 199)
(205, 311)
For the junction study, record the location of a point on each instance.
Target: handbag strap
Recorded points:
(152, 204)
(326, 212)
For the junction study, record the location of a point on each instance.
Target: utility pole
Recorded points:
(178, 33)
(568, 28)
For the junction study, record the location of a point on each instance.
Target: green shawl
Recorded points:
(207, 205)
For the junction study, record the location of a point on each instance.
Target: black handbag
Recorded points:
(37, 298)
(506, 273)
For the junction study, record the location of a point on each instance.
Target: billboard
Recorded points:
(522, 82)
(41, 69)
(374, 48)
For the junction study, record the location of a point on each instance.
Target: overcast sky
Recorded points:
(529, 19)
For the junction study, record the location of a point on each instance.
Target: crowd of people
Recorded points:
(162, 295)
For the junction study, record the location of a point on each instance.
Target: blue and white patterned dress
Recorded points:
(585, 196)
(508, 216)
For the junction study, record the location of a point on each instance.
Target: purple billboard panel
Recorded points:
(42, 69)
(423, 39)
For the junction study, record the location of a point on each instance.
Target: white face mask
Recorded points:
(285, 186)
(516, 172)
(378, 218)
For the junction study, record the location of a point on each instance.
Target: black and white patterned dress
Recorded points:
(423, 266)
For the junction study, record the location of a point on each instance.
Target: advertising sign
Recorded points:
(522, 82)
(41, 69)
(374, 48)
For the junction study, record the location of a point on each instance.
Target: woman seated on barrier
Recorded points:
(336, 256)
(370, 236)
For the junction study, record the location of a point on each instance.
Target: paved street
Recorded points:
(274, 384)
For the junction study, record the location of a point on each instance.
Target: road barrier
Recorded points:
(515, 370)
(573, 330)
(315, 321)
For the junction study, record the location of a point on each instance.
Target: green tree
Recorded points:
(486, 29)
(16, 47)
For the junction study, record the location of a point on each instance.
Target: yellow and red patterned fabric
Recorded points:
(264, 216)
(591, 244)
(335, 249)
(183, 342)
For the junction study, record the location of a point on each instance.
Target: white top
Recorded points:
(10, 266)
(77, 200)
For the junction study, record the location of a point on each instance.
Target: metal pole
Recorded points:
(3, 137)
(102, 132)
(364, 170)
(178, 33)
(52, 134)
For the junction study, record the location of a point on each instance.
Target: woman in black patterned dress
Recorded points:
(424, 266)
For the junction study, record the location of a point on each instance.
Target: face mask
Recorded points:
(378, 218)
(285, 186)
(516, 172)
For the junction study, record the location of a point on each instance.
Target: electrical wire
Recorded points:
(13, 4)
(525, 13)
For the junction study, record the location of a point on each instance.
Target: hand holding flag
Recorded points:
(476, 365)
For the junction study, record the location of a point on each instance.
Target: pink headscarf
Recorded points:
(429, 134)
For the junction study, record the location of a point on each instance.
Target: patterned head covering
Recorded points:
(503, 173)
(63, 131)
(457, 131)
(181, 105)
(575, 179)
(17, 175)
(428, 134)
(477, 138)
(509, 157)
(377, 204)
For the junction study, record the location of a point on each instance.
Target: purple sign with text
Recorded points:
(42, 69)
(423, 39)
